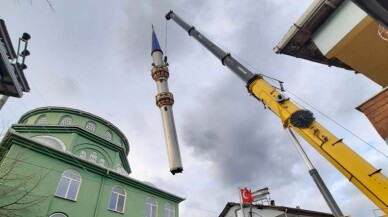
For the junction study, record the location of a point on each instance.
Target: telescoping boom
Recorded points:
(357, 170)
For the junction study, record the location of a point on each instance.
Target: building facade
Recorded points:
(340, 33)
(62, 162)
(259, 210)
(349, 34)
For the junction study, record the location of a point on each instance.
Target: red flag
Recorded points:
(246, 196)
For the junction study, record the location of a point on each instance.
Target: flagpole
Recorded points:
(241, 204)
(250, 212)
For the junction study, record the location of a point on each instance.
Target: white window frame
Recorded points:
(62, 122)
(93, 157)
(83, 154)
(101, 162)
(40, 118)
(108, 135)
(153, 214)
(89, 123)
(68, 186)
(49, 141)
(117, 200)
(58, 214)
(169, 211)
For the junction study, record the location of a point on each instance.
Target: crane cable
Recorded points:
(326, 116)
(272, 81)
(165, 39)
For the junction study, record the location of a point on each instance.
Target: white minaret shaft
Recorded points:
(165, 100)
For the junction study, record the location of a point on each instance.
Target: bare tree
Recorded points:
(48, 2)
(18, 192)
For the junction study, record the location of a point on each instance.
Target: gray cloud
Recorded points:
(233, 131)
(100, 53)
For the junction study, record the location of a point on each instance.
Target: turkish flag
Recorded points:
(246, 196)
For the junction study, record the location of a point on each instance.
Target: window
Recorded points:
(117, 199)
(41, 119)
(108, 136)
(169, 210)
(65, 120)
(69, 184)
(101, 162)
(58, 215)
(93, 157)
(151, 208)
(82, 154)
(90, 126)
(50, 141)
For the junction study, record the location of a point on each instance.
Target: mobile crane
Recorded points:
(369, 180)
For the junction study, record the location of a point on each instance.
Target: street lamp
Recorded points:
(12, 80)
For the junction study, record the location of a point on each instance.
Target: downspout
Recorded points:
(99, 193)
(49, 207)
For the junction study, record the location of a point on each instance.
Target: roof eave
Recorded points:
(300, 23)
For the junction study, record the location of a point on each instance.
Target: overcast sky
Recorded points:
(94, 56)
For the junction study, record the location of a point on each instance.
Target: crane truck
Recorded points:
(368, 179)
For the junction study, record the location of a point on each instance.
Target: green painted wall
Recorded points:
(79, 118)
(39, 168)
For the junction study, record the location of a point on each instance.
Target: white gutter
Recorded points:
(301, 22)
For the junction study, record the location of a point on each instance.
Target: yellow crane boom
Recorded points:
(361, 173)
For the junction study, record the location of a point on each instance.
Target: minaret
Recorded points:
(165, 100)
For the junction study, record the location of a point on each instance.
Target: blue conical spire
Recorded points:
(155, 42)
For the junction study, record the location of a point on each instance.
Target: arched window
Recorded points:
(101, 162)
(93, 157)
(58, 214)
(69, 185)
(66, 120)
(108, 135)
(117, 199)
(41, 119)
(50, 141)
(169, 210)
(151, 207)
(90, 126)
(82, 154)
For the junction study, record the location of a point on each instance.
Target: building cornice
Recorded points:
(76, 112)
(13, 137)
(48, 129)
(289, 210)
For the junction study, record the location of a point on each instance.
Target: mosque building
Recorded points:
(63, 162)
